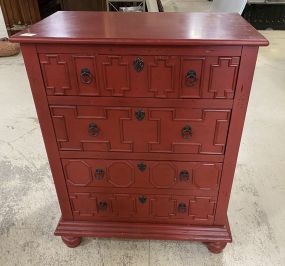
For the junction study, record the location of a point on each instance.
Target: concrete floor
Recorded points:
(29, 210)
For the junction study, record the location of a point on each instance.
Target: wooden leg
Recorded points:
(216, 247)
(71, 241)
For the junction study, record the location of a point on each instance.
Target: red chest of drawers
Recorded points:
(142, 116)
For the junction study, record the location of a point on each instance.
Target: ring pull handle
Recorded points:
(182, 207)
(99, 174)
(184, 175)
(140, 114)
(138, 64)
(93, 129)
(186, 132)
(86, 76)
(191, 78)
(102, 205)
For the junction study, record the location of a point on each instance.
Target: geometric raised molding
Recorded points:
(223, 76)
(55, 73)
(120, 131)
(84, 204)
(120, 174)
(163, 66)
(162, 206)
(116, 74)
(201, 176)
(62, 74)
(206, 176)
(202, 209)
(163, 175)
(78, 172)
(215, 77)
(155, 208)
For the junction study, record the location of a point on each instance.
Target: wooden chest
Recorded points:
(142, 116)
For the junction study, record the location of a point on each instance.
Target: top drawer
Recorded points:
(140, 75)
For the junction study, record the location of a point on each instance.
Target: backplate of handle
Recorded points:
(184, 175)
(140, 114)
(141, 166)
(138, 64)
(102, 205)
(182, 207)
(99, 173)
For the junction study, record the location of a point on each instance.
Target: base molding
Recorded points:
(216, 237)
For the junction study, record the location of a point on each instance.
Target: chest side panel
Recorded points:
(244, 82)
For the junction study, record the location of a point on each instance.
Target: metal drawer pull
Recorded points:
(140, 114)
(142, 199)
(191, 78)
(186, 132)
(142, 166)
(182, 207)
(184, 175)
(93, 129)
(86, 76)
(102, 205)
(138, 64)
(99, 173)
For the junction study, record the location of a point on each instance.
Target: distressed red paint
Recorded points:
(142, 125)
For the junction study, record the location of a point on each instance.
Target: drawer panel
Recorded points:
(142, 174)
(153, 76)
(147, 208)
(66, 74)
(144, 130)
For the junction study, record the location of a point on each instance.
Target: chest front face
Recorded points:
(165, 109)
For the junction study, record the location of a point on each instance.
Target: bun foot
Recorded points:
(216, 247)
(71, 241)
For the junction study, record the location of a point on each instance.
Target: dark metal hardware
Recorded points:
(93, 129)
(142, 199)
(191, 78)
(86, 76)
(184, 175)
(138, 64)
(102, 205)
(140, 114)
(182, 207)
(186, 132)
(99, 173)
(142, 166)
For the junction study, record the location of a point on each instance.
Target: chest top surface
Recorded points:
(142, 28)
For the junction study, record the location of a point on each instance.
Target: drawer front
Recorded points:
(142, 130)
(162, 76)
(147, 207)
(142, 174)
